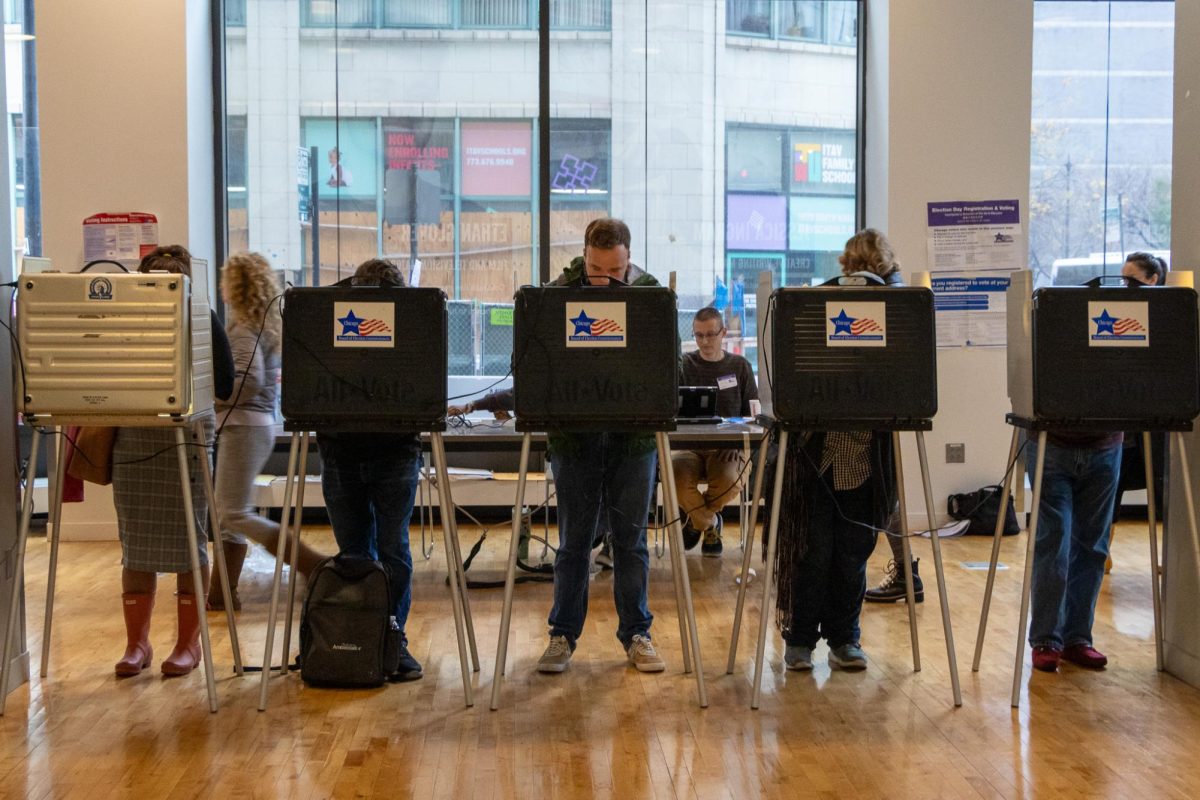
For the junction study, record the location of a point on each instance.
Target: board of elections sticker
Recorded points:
(855, 324)
(595, 324)
(1122, 324)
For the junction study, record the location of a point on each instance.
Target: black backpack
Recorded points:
(981, 507)
(348, 636)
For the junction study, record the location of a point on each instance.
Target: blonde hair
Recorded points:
(250, 286)
(869, 251)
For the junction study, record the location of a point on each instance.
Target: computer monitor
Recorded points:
(593, 358)
(364, 358)
(853, 357)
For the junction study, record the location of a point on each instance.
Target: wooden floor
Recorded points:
(602, 729)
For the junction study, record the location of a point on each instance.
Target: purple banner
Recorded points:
(756, 222)
(985, 212)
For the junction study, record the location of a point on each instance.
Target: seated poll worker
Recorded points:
(150, 518)
(710, 365)
(841, 489)
(370, 482)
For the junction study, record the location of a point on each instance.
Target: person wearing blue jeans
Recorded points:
(1079, 483)
(603, 477)
(370, 483)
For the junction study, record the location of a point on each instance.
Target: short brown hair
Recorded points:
(869, 251)
(606, 233)
(376, 272)
(707, 313)
(167, 258)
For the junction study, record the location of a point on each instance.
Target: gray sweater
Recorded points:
(253, 398)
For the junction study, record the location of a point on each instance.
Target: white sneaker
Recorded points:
(642, 655)
(557, 655)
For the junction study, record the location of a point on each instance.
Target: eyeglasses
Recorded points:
(701, 335)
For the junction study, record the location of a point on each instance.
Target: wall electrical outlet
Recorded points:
(956, 453)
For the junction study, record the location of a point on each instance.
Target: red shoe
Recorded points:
(1084, 655)
(1045, 658)
(186, 655)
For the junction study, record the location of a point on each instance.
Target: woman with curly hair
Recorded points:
(250, 289)
(149, 502)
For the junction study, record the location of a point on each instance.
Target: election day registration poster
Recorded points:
(972, 248)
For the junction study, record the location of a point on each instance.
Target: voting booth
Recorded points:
(120, 350)
(843, 358)
(1096, 359)
(594, 359)
(365, 359)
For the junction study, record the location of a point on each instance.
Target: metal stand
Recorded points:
(218, 555)
(294, 535)
(193, 545)
(687, 616)
(773, 549)
(1026, 585)
(747, 550)
(297, 457)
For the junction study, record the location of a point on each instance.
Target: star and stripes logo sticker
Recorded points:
(364, 325)
(855, 324)
(1124, 324)
(596, 325)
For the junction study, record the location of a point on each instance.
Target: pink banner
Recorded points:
(496, 158)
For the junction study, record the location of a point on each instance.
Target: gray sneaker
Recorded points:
(798, 657)
(849, 657)
(642, 655)
(557, 655)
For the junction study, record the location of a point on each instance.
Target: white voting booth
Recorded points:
(120, 350)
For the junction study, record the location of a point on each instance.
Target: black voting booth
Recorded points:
(595, 358)
(851, 358)
(365, 359)
(1091, 358)
(599, 358)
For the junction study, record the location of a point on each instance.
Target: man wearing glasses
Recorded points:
(721, 470)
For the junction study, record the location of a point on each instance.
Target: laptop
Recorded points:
(697, 406)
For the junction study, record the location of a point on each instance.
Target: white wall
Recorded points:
(949, 97)
(1182, 566)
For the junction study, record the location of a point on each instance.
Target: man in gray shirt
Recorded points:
(721, 470)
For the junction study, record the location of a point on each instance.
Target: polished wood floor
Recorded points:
(602, 729)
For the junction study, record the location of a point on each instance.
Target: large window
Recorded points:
(728, 152)
(1100, 179)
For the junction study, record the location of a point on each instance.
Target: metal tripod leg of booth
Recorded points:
(747, 554)
(60, 474)
(1188, 496)
(294, 536)
(769, 570)
(280, 550)
(996, 536)
(939, 569)
(678, 561)
(675, 532)
(744, 506)
(906, 550)
(1155, 584)
(198, 594)
(458, 597)
(450, 531)
(1027, 580)
(510, 574)
(14, 596)
(214, 517)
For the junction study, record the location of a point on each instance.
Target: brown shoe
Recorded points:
(186, 655)
(235, 558)
(137, 608)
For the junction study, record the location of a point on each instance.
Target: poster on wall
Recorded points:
(347, 156)
(975, 234)
(970, 308)
(497, 159)
(123, 237)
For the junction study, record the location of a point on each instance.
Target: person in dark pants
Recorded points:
(370, 483)
(840, 491)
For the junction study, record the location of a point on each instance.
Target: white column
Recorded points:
(949, 92)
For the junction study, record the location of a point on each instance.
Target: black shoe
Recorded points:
(409, 669)
(893, 588)
(691, 536)
(711, 548)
